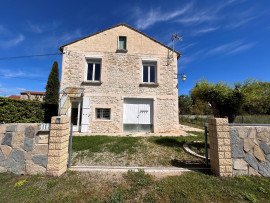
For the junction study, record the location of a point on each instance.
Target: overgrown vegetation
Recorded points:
(52, 94)
(20, 111)
(133, 187)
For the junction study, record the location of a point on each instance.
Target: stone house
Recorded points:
(119, 80)
(32, 95)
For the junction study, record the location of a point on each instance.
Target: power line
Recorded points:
(29, 56)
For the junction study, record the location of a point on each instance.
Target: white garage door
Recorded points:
(138, 115)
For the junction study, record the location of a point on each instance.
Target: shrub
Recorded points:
(20, 111)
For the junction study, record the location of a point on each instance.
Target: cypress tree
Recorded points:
(51, 98)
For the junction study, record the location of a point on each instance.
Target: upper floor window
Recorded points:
(93, 70)
(149, 72)
(122, 42)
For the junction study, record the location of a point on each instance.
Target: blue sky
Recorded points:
(225, 40)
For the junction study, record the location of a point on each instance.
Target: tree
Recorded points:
(225, 101)
(257, 96)
(51, 98)
(184, 103)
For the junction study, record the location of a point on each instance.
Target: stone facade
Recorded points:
(23, 150)
(121, 77)
(250, 147)
(220, 147)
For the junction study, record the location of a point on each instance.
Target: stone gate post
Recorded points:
(220, 147)
(58, 145)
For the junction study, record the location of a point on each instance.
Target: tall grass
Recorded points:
(255, 119)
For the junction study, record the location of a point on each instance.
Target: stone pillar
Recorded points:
(58, 145)
(220, 147)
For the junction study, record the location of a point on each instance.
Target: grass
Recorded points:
(101, 143)
(133, 187)
(131, 151)
(194, 125)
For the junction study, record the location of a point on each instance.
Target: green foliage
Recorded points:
(257, 96)
(200, 107)
(52, 93)
(189, 106)
(20, 111)
(225, 100)
(184, 103)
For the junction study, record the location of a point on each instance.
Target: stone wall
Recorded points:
(23, 149)
(250, 147)
(121, 77)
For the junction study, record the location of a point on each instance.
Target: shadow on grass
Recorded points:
(196, 165)
(169, 142)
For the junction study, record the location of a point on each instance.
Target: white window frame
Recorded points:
(94, 60)
(101, 114)
(149, 63)
(118, 44)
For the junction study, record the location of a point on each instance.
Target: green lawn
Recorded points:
(131, 151)
(132, 187)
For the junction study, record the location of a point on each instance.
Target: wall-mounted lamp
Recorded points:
(184, 77)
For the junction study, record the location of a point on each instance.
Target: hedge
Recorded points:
(21, 111)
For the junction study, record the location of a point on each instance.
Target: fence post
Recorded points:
(58, 146)
(220, 147)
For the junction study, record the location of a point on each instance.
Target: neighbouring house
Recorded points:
(14, 97)
(32, 95)
(119, 80)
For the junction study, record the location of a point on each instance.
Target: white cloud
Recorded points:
(34, 27)
(12, 42)
(242, 48)
(211, 29)
(6, 91)
(8, 73)
(198, 17)
(231, 48)
(188, 46)
(155, 15)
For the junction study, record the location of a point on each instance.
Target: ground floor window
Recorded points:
(103, 114)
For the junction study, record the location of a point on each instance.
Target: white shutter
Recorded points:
(63, 105)
(85, 114)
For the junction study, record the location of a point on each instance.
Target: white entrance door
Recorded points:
(138, 115)
(76, 109)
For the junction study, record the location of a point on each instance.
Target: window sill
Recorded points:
(91, 83)
(102, 120)
(149, 85)
(121, 51)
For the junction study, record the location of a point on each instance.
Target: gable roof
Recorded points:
(123, 24)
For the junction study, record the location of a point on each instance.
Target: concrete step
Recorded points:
(126, 169)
